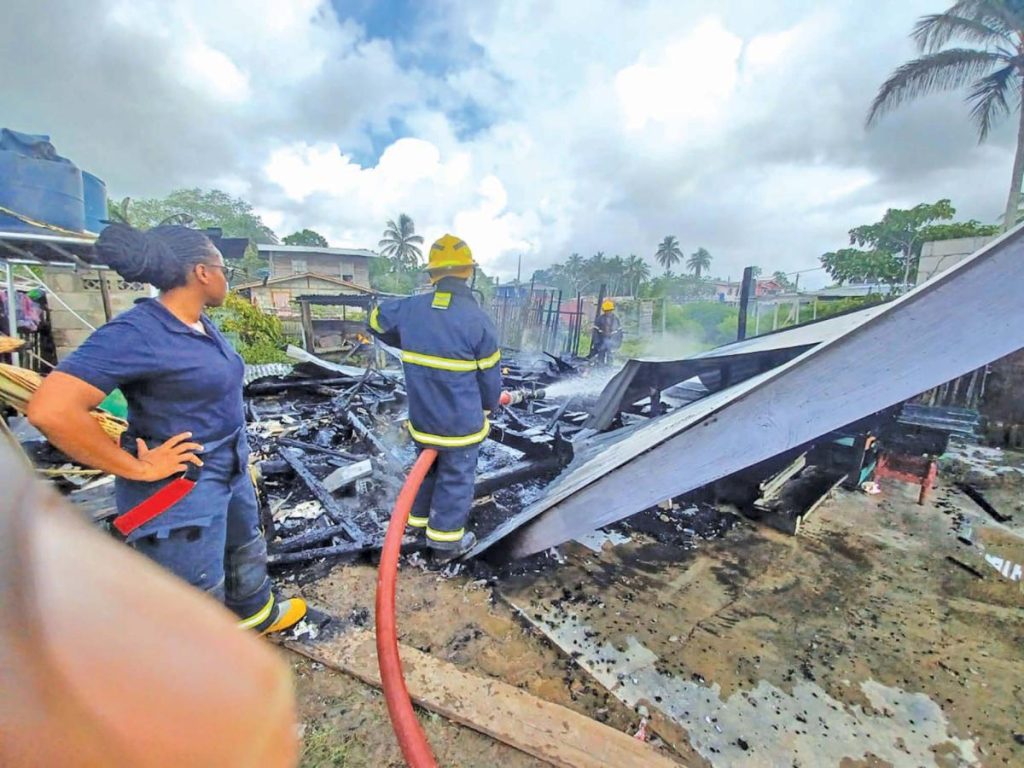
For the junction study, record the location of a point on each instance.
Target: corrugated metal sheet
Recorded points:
(957, 322)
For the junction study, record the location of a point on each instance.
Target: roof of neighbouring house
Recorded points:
(268, 248)
(303, 276)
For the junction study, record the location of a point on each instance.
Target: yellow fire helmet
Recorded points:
(450, 252)
(607, 305)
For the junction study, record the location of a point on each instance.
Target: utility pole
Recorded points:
(745, 291)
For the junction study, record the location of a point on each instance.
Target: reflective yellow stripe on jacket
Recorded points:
(444, 441)
(448, 363)
(375, 320)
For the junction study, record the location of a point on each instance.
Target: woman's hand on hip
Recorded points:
(168, 459)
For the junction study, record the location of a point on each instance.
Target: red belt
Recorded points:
(159, 502)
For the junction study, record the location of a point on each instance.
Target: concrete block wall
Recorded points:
(79, 291)
(939, 255)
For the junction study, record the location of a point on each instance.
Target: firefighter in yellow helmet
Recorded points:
(450, 355)
(607, 334)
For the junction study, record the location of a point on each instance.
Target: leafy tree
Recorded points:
(756, 272)
(857, 266)
(699, 262)
(386, 277)
(956, 229)
(306, 237)
(893, 245)
(668, 253)
(783, 280)
(123, 212)
(257, 336)
(400, 243)
(993, 70)
(204, 209)
(899, 232)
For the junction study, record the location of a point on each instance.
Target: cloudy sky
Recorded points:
(531, 128)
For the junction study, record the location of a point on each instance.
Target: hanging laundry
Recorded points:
(29, 311)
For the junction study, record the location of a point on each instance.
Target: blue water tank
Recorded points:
(38, 184)
(95, 202)
(42, 190)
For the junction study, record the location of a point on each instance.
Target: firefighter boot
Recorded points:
(446, 551)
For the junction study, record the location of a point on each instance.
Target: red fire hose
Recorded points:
(415, 747)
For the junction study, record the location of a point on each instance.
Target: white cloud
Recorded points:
(689, 80)
(735, 125)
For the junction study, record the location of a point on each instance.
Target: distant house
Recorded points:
(728, 292)
(351, 265)
(277, 295)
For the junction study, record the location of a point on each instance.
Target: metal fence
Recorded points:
(542, 319)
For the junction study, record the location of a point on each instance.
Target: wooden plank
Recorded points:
(344, 476)
(547, 731)
(955, 323)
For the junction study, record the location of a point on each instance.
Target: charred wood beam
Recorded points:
(271, 387)
(294, 543)
(320, 449)
(371, 438)
(409, 544)
(978, 498)
(519, 472)
(537, 447)
(332, 508)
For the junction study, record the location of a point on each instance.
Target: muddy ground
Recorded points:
(856, 643)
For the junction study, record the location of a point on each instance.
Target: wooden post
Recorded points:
(12, 310)
(307, 327)
(745, 291)
(108, 311)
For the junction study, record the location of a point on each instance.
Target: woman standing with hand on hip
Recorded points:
(183, 384)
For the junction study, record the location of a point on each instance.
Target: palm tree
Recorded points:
(401, 244)
(993, 70)
(668, 253)
(573, 271)
(616, 274)
(699, 261)
(637, 273)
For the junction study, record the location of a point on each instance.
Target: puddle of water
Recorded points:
(764, 725)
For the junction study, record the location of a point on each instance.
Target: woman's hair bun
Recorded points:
(147, 256)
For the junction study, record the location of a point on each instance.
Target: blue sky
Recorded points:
(539, 129)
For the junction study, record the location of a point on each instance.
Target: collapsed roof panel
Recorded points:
(742, 359)
(959, 321)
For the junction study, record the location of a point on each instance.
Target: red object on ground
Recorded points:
(916, 470)
(158, 503)
(411, 738)
(505, 398)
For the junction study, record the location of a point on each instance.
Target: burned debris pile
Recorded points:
(330, 451)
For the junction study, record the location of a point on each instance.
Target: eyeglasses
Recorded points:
(229, 271)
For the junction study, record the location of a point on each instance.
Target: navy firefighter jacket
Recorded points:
(450, 354)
